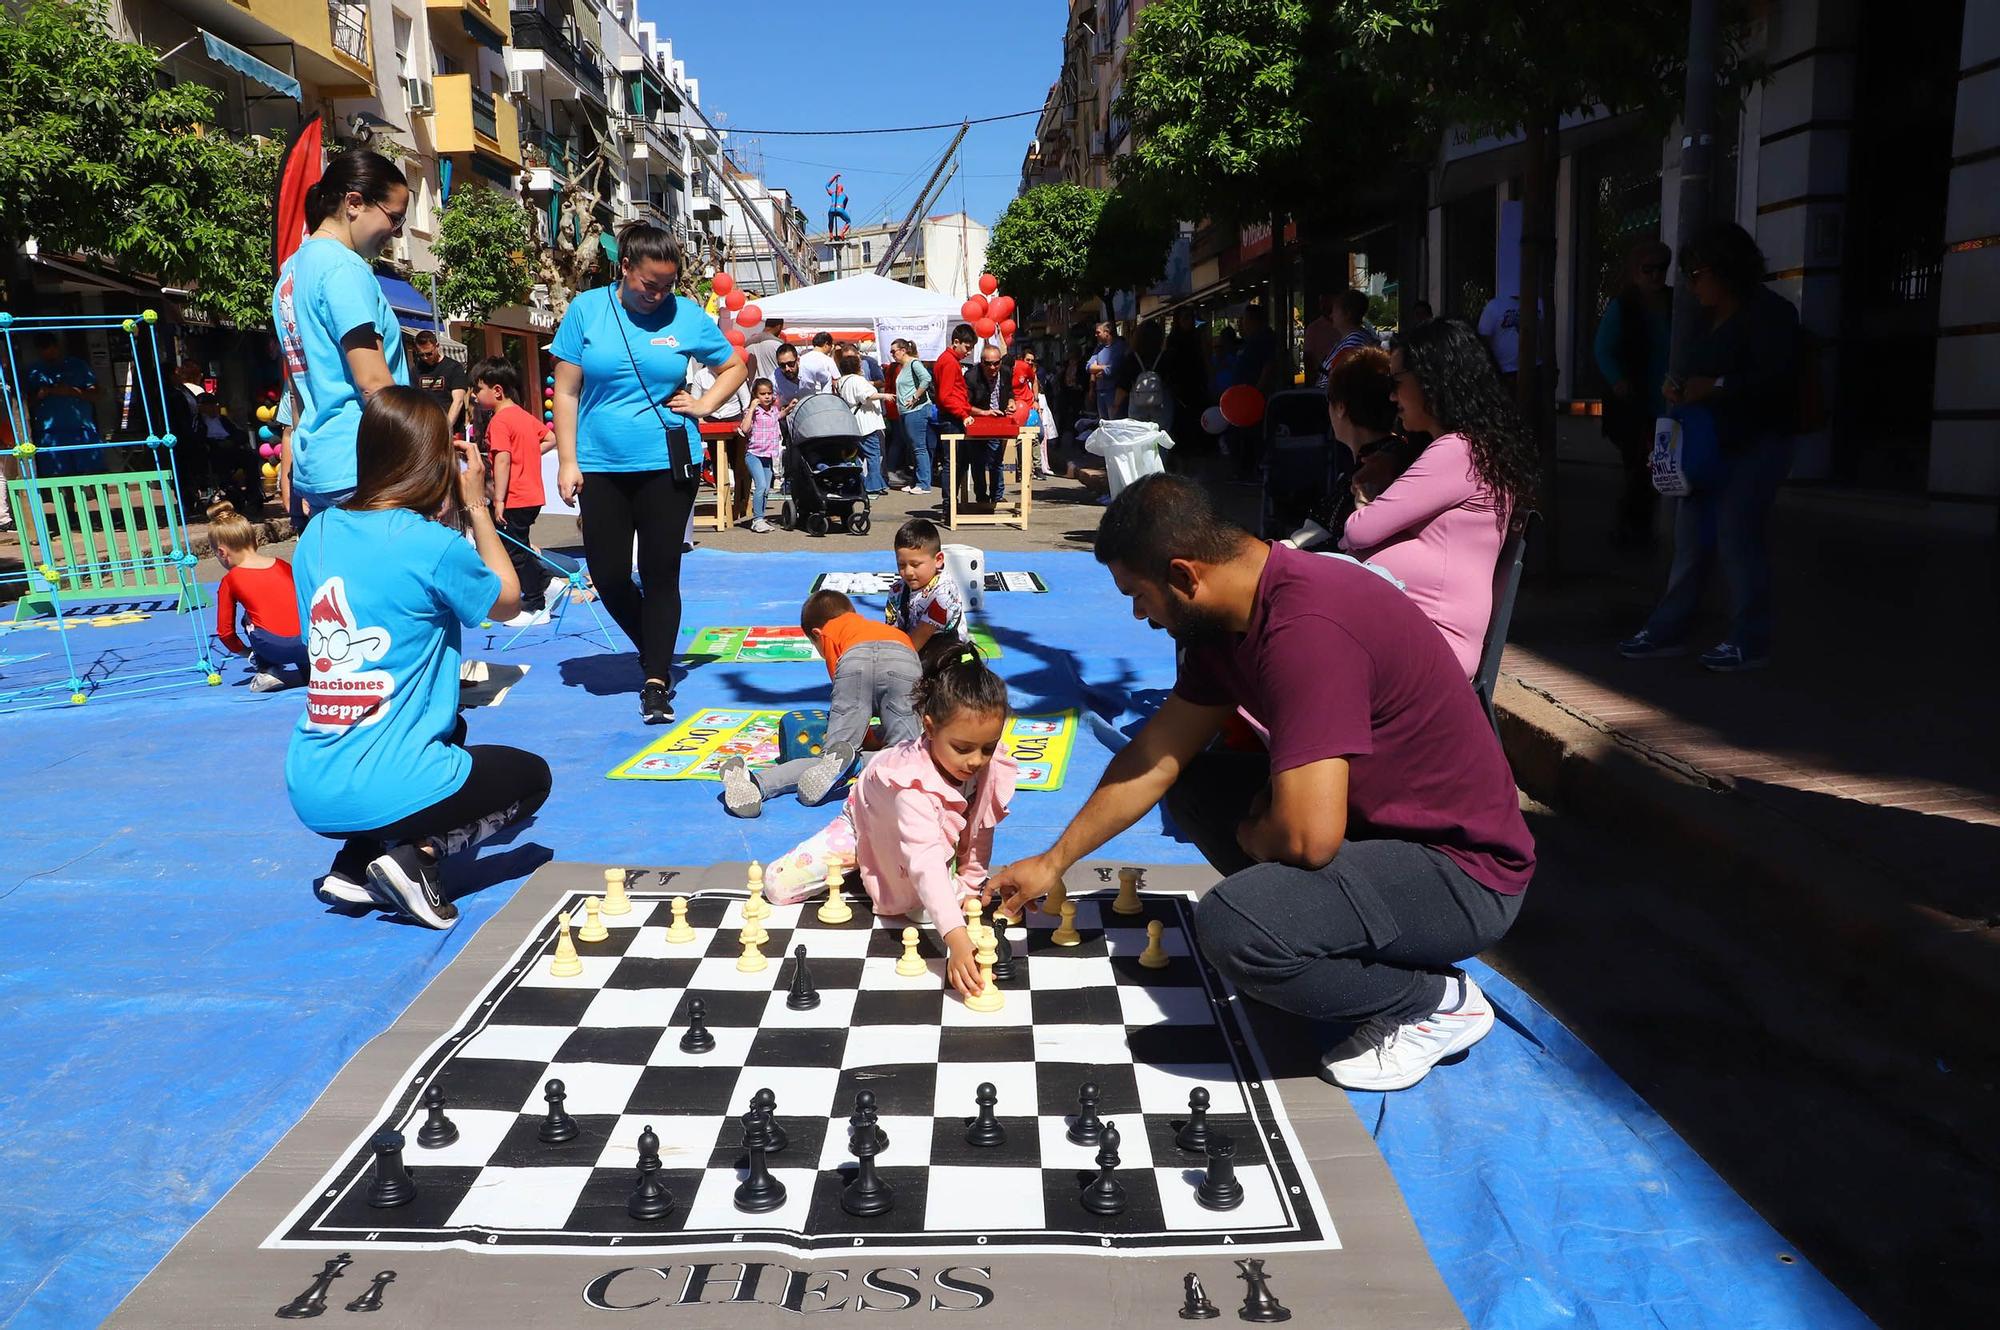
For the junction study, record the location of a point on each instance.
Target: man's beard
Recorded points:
(1194, 627)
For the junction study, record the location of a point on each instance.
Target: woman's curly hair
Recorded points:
(1465, 396)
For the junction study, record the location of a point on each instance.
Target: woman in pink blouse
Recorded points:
(1440, 524)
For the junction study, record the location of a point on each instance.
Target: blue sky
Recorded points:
(806, 66)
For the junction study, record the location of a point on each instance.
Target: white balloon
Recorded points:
(1212, 421)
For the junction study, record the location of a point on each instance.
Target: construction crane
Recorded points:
(925, 197)
(750, 210)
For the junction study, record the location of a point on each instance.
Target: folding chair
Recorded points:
(1506, 584)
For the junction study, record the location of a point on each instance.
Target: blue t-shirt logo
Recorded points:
(341, 692)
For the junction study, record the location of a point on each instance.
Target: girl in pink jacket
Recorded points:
(919, 822)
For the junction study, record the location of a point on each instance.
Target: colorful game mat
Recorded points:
(881, 584)
(696, 748)
(772, 643)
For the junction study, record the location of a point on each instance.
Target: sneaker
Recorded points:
(345, 886)
(530, 618)
(823, 775)
(740, 793)
(761, 527)
(656, 703)
(1642, 646)
(1728, 658)
(407, 879)
(266, 682)
(472, 672)
(1385, 1055)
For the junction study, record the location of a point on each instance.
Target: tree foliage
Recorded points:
(102, 153)
(484, 240)
(1065, 240)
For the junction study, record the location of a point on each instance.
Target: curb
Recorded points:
(1803, 893)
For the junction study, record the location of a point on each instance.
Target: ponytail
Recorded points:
(955, 679)
(369, 174)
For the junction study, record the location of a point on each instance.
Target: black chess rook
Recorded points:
(986, 1129)
(391, 1185)
(803, 996)
(1258, 1304)
(697, 1039)
(371, 1299)
(1087, 1128)
(1219, 1189)
(1193, 1137)
(312, 1302)
(438, 1130)
(558, 1126)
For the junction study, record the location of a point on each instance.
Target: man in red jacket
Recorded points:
(948, 386)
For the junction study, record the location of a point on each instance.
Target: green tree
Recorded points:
(1057, 241)
(484, 239)
(102, 153)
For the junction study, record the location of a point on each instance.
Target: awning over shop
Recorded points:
(412, 309)
(249, 66)
(503, 176)
(609, 244)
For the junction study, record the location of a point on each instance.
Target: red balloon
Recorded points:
(1242, 405)
(743, 356)
(988, 283)
(736, 338)
(984, 327)
(972, 309)
(749, 316)
(734, 301)
(1007, 327)
(1001, 307)
(723, 283)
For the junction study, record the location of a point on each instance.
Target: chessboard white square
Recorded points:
(515, 1043)
(983, 1200)
(1047, 971)
(535, 1199)
(801, 1091)
(625, 1007)
(882, 1045)
(1261, 1207)
(958, 1084)
(846, 944)
(720, 972)
(1134, 1151)
(878, 975)
(1165, 1006)
(714, 1203)
(780, 916)
(835, 1010)
(652, 945)
(732, 1047)
(1089, 1044)
(1018, 1011)
(596, 969)
(588, 1087)
(685, 1142)
(1163, 1088)
(480, 1131)
(1132, 941)
(909, 1143)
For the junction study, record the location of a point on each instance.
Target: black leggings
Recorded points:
(617, 507)
(505, 786)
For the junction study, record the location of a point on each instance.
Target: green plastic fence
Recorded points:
(102, 537)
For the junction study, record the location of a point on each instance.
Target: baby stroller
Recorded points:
(823, 467)
(1306, 469)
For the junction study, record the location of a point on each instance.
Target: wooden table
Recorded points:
(718, 433)
(1018, 457)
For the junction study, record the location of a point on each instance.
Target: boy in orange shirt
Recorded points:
(873, 668)
(517, 439)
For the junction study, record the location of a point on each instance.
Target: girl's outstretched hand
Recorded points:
(961, 968)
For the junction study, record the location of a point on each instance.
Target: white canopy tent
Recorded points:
(890, 308)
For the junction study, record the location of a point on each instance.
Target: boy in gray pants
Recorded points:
(873, 669)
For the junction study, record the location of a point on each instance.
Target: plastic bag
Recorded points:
(1130, 449)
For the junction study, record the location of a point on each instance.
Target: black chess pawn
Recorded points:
(1219, 1189)
(759, 1193)
(650, 1199)
(1193, 1137)
(391, 1186)
(867, 1195)
(1087, 1127)
(1258, 1304)
(697, 1039)
(1003, 951)
(766, 1103)
(1195, 1305)
(438, 1130)
(986, 1129)
(371, 1300)
(312, 1302)
(558, 1126)
(803, 996)
(864, 1107)
(1105, 1195)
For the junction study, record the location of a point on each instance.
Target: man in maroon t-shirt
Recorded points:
(1377, 844)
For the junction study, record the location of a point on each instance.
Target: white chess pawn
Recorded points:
(752, 960)
(565, 964)
(911, 964)
(989, 997)
(593, 929)
(1155, 957)
(757, 907)
(835, 910)
(679, 930)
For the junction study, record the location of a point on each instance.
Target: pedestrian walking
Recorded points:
(1631, 347)
(913, 406)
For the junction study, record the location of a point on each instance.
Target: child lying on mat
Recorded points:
(919, 823)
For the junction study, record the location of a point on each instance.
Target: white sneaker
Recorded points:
(472, 672)
(266, 682)
(1383, 1055)
(529, 619)
(761, 527)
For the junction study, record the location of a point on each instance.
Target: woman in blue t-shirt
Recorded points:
(626, 436)
(340, 339)
(379, 760)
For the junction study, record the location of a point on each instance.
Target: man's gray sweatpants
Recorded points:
(872, 679)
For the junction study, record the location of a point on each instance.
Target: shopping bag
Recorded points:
(1687, 453)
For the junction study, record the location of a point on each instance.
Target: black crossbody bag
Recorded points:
(680, 449)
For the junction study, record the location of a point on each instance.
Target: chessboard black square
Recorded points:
(703, 911)
(440, 1190)
(687, 1092)
(808, 1047)
(1000, 1043)
(727, 942)
(1040, 942)
(1076, 1006)
(532, 1004)
(1160, 1132)
(903, 1089)
(601, 1207)
(905, 1215)
(616, 941)
(522, 1146)
(805, 1137)
(827, 971)
(726, 1007)
(490, 1083)
(1178, 972)
(1166, 1045)
(864, 917)
(625, 1045)
(1022, 1148)
(1062, 1202)
(653, 972)
(1057, 1084)
(919, 1006)
(888, 941)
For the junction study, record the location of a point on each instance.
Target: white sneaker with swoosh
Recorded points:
(1386, 1055)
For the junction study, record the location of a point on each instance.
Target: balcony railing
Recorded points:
(347, 23)
(483, 120)
(536, 29)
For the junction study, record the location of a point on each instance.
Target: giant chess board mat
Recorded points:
(505, 1229)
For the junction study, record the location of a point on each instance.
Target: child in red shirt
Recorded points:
(516, 440)
(262, 585)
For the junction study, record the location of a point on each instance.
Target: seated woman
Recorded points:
(1440, 524)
